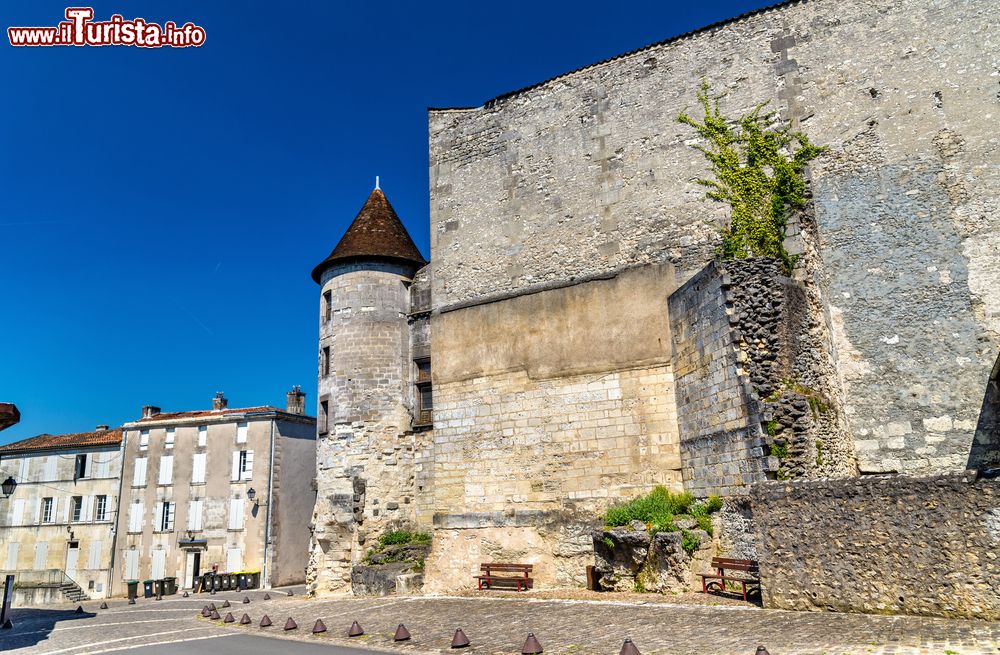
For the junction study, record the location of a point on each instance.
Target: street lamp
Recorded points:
(8, 486)
(251, 494)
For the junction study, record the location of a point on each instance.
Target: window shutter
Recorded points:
(131, 564)
(41, 555)
(158, 517)
(13, 548)
(38, 510)
(234, 560)
(194, 515)
(248, 468)
(236, 514)
(94, 558)
(198, 468)
(135, 512)
(50, 468)
(24, 469)
(18, 513)
(166, 469)
(202, 435)
(88, 466)
(67, 506)
(236, 467)
(87, 513)
(241, 433)
(139, 475)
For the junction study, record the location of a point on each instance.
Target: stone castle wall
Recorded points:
(590, 173)
(881, 544)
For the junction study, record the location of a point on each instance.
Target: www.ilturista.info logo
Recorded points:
(80, 29)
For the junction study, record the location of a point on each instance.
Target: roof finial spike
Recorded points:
(376, 183)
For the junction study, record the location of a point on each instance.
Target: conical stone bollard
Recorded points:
(628, 648)
(211, 607)
(245, 620)
(267, 596)
(246, 600)
(104, 606)
(531, 645)
(355, 630)
(265, 622)
(205, 611)
(762, 651)
(290, 624)
(402, 634)
(459, 640)
(7, 625)
(185, 595)
(79, 609)
(290, 593)
(226, 604)
(319, 627)
(229, 618)
(215, 616)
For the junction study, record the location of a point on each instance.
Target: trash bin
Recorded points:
(216, 583)
(255, 579)
(170, 586)
(133, 589)
(241, 581)
(147, 588)
(224, 581)
(158, 588)
(234, 581)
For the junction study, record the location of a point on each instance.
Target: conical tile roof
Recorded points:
(376, 233)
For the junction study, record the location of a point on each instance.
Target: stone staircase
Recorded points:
(72, 591)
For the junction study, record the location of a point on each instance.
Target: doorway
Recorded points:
(193, 568)
(72, 559)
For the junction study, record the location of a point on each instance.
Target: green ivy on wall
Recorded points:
(758, 167)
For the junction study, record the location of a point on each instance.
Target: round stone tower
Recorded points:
(364, 378)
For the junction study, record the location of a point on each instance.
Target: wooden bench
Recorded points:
(748, 575)
(488, 578)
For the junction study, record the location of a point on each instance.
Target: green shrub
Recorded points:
(714, 504)
(690, 542)
(658, 507)
(421, 537)
(778, 450)
(395, 537)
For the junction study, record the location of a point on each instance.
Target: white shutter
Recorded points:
(194, 515)
(87, 513)
(18, 512)
(234, 560)
(88, 465)
(166, 469)
(66, 508)
(241, 433)
(169, 442)
(135, 511)
(24, 470)
(41, 555)
(13, 549)
(198, 469)
(202, 435)
(236, 467)
(248, 467)
(50, 468)
(94, 557)
(38, 510)
(159, 564)
(157, 516)
(236, 514)
(131, 564)
(139, 475)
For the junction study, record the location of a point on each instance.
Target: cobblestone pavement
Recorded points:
(499, 625)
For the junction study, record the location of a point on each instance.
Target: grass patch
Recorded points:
(658, 509)
(690, 542)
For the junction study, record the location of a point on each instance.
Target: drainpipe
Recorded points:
(265, 571)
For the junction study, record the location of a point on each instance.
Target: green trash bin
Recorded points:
(147, 588)
(170, 586)
(159, 588)
(133, 589)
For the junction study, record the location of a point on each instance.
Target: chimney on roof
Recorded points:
(219, 402)
(101, 428)
(295, 401)
(149, 410)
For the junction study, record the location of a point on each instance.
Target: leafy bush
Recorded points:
(657, 508)
(690, 542)
(395, 537)
(714, 504)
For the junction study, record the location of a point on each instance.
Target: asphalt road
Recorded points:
(238, 644)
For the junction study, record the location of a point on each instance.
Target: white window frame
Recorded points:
(165, 518)
(101, 508)
(199, 468)
(76, 509)
(171, 436)
(202, 436)
(143, 439)
(242, 431)
(48, 510)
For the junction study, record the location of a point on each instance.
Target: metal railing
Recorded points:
(43, 578)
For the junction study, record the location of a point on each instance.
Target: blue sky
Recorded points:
(161, 210)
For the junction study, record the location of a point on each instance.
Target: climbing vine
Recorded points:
(758, 168)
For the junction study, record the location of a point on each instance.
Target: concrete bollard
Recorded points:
(319, 627)
(290, 624)
(459, 640)
(265, 622)
(628, 648)
(355, 630)
(402, 634)
(531, 645)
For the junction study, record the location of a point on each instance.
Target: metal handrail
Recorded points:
(43, 578)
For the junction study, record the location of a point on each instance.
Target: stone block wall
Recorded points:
(881, 544)
(589, 173)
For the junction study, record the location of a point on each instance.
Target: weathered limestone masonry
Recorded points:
(589, 173)
(924, 545)
(367, 454)
(548, 407)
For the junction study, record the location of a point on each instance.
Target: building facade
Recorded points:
(57, 529)
(580, 346)
(226, 488)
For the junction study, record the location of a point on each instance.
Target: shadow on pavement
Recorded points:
(33, 625)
